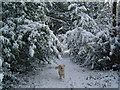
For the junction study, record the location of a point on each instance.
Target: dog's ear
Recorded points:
(63, 65)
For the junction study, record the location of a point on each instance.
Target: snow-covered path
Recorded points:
(75, 77)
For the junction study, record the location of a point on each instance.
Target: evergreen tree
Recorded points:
(26, 38)
(90, 40)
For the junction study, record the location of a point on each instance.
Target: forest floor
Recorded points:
(75, 77)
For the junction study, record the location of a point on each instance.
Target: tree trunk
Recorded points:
(119, 15)
(114, 23)
(114, 34)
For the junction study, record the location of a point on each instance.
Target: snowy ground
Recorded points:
(75, 77)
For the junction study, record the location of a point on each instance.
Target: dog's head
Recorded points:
(60, 67)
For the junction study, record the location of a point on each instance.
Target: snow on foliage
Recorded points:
(72, 5)
(55, 44)
(30, 34)
(89, 41)
(81, 19)
(1, 74)
(31, 50)
(26, 38)
(82, 8)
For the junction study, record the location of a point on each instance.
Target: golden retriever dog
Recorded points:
(61, 71)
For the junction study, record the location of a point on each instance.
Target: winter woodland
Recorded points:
(37, 36)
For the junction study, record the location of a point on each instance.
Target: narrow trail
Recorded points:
(75, 77)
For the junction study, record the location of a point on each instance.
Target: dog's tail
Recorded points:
(56, 67)
(53, 67)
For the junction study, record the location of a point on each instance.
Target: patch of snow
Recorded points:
(72, 5)
(31, 50)
(112, 47)
(83, 8)
(15, 45)
(1, 77)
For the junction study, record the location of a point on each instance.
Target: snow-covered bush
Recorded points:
(1, 73)
(81, 19)
(79, 43)
(79, 39)
(26, 39)
(31, 42)
(59, 17)
(90, 42)
(9, 79)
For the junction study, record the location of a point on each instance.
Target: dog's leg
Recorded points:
(60, 75)
(63, 75)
